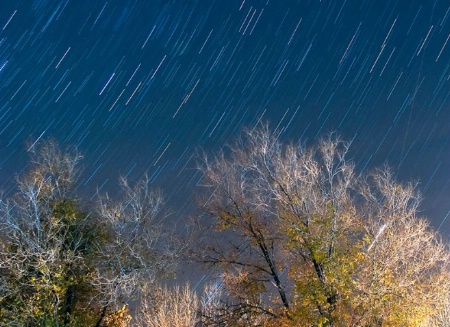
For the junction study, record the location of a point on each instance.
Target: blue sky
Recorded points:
(139, 86)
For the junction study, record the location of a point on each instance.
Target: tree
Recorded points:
(406, 268)
(441, 318)
(45, 241)
(63, 263)
(243, 241)
(169, 307)
(140, 253)
(300, 238)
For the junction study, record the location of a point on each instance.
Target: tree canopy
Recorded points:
(291, 235)
(62, 264)
(299, 237)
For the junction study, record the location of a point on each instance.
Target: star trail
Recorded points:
(140, 86)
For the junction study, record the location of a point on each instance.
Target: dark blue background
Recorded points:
(138, 86)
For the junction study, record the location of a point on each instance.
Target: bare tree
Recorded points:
(218, 307)
(441, 318)
(169, 307)
(211, 309)
(140, 252)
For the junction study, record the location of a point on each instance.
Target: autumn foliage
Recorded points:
(289, 235)
(302, 239)
(63, 264)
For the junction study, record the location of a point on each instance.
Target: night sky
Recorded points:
(140, 86)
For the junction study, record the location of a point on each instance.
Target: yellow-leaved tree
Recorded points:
(63, 263)
(298, 238)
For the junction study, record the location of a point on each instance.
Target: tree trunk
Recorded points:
(102, 316)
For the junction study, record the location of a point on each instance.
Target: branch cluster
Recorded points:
(298, 235)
